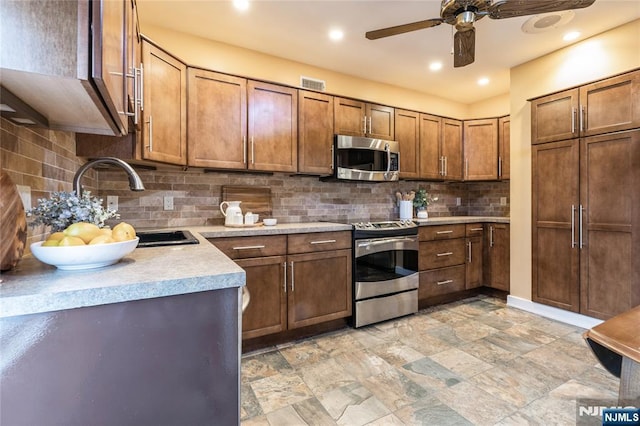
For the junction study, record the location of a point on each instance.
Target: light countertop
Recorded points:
(149, 272)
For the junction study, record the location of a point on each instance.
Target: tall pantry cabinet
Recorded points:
(586, 202)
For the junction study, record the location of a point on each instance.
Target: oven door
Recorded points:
(385, 266)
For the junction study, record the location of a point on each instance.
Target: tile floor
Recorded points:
(474, 362)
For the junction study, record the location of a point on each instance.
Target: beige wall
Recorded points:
(607, 54)
(225, 58)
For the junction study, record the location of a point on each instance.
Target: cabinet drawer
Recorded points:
(474, 229)
(247, 247)
(440, 254)
(441, 232)
(318, 241)
(441, 281)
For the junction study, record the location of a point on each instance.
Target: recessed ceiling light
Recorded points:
(545, 22)
(241, 5)
(570, 36)
(336, 34)
(483, 81)
(435, 66)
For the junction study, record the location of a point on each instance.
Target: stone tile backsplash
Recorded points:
(196, 196)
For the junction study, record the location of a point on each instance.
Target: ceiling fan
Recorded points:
(463, 13)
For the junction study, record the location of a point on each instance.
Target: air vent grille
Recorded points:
(312, 83)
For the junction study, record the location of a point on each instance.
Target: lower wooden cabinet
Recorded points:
(294, 281)
(441, 281)
(474, 245)
(497, 263)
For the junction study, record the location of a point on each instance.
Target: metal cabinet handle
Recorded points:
(150, 122)
(323, 242)
(469, 248)
(136, 101)
(244, 149)
(249, 247)
(293, 278)
(445, 232)
(491, 236)
(284, 265)
(446, 166)
(449, 253)
(370, 127)
(444, 282)
(141, 96)
(441, 171)
(364, 124)
(573, 225)
(476, 229)
(580, 213)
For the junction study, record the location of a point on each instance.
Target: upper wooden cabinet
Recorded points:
(451, 149)
(217, 120)
(407, 124)
(504, 148)
(164, 130)
(605, 106)
(272, 127)
(67, 61)
(481, 149)
(356, 118)
(236, 123)
(430, 147)
(315, 133)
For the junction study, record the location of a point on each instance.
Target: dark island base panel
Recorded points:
(170, 360)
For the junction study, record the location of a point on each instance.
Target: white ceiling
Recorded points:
(297, 30)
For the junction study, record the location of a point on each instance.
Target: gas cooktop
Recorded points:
(384, 225)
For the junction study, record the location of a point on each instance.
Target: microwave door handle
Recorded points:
(388, 149)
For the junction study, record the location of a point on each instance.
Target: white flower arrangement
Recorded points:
(65, 208)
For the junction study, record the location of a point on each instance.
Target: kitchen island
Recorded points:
(152, 339)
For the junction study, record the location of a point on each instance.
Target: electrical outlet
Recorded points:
(458, 201)
(168, 203)
(25, 195)
(503, 201)
(112, 202)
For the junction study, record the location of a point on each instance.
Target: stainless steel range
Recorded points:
(385, 270)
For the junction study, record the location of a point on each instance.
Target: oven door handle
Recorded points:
(366, 247)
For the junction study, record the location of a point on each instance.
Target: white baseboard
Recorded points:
(561, 315)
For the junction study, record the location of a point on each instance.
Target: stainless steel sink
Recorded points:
(165, 238)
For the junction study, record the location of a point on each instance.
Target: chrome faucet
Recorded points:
(135, 183)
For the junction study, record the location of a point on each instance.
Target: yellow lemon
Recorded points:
(71, 241)
(50, 243)
(102, 239)
(56, 236)
(123, 232)
(83, 230)
(105, 231)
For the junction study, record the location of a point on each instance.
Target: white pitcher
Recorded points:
(233, 212)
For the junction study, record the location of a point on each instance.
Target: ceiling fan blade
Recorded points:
(464, 48)
(512, 8)
(401, 29)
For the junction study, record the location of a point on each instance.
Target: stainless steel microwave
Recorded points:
(368, 159)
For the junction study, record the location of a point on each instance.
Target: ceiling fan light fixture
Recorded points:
(465, 20)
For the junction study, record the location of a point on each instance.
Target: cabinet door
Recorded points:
(610, 105)
(217, 120)
(319, 287)
(504, 148)
(315, 133)
(349, 116)
(610, 242)
(473, 272)
(498, 257)
(380, 122)
(109, 47)
(267, 309)
(555, 117)
(555, 255)
(273, 127)
(481, 149)
(165, 107)
(451, 149)
(407, 124)
(431, 163)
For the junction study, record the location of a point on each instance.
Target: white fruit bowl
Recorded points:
(83, 257)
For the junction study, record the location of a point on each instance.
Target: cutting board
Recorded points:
(255, 199)
(13, 224)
